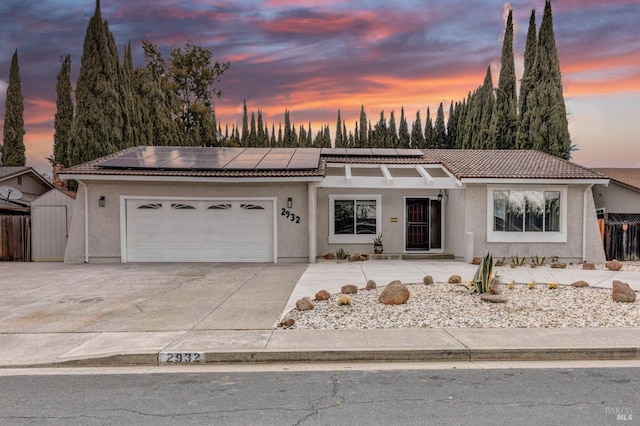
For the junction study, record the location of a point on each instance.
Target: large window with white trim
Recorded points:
(353, 218)
(526, 214)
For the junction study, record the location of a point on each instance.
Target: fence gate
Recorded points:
(16, 238)
(622, 237)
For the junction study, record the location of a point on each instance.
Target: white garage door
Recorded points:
(199, 231)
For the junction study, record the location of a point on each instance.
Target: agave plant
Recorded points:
(484, 275)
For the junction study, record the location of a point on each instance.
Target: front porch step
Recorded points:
(411, 256)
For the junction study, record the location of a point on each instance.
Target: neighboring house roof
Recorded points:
(278, 162)
(626, 176)
(23, 203)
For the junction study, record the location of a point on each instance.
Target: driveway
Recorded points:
(61, 298)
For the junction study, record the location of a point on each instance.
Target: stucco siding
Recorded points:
(616, 198)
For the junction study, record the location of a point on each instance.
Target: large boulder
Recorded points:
(305, 304)
(323, 295)
(614, 265)
(622, 292)
(395, 293)
(427, 280)
(589, 266)
(349, 289)
(287, 322)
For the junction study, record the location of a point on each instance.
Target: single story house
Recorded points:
(218, 204)
(19, 187)
(618, 207)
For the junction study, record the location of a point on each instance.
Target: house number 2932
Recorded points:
(292, 217)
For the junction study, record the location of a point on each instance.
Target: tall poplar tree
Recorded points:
(439, 129)
(13, 133)
(64, 113)
(505, 116)
(523, 138)
(98, 123)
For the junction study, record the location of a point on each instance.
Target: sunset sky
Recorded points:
(314, 57)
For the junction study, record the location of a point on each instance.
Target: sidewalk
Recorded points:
(193, 344)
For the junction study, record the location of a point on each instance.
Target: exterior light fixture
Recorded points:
(440, 195)
(102, 201)
(289, 202)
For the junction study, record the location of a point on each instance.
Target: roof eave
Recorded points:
(205, 179)
(536, 181)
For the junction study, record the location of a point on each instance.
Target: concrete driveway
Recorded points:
(60, 298)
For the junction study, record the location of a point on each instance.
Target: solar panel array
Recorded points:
(215, 158)
(372, 152)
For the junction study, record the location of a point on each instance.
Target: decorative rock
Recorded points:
(580, 283)
(288, 322)
(558, 265)
(614, 265)
(329, 256)
(395, 293)
(305, 304)
(355, 257)
(494, 298)
(495, 287)
(476, 261)
(622, 292)
(371, 285)
(323, 295)
(349, 289)
(455, 279)
(589, 266)
(427, 280)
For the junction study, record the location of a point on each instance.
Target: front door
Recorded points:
(423, 231)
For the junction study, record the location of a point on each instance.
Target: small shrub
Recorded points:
(518, 261)
(344, 301)
(538, 261)
(553, 286)
(511, 285)
(484, 275)
(342, 254)
(532, 285)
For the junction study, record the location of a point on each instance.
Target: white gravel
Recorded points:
(444, 305)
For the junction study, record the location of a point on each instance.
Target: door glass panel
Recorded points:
(435, 224)
(417, 226)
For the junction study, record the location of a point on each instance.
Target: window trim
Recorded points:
(354, 239)
(524, 236)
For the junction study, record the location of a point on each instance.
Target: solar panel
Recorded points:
(248, 160)
(275, 160)
(406, 152)
(304, 159)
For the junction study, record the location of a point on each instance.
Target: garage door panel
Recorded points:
(200, 231)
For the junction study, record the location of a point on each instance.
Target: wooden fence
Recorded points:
(16, 238)
(622, 241)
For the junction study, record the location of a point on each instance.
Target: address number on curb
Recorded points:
(180, 357)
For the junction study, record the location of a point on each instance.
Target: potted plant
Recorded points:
(377, 244)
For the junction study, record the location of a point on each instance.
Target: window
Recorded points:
(353, 219)
(527, 215)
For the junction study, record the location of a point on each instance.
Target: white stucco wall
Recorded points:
(616, 198)
(569, 251)
(104, 222)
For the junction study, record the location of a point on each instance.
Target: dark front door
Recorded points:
(423, 224)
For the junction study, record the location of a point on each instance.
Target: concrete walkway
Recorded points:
(95, 315)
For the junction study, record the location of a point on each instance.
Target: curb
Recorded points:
(371, 355)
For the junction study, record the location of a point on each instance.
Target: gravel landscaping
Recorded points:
(446, 305)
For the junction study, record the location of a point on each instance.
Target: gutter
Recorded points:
(584, 222)
(86, 220)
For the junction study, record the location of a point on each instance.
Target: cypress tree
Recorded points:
(287, 139)
(452, 125)
(245, 125)
(13, 133)
(339, 142)
(429, 133)
(260, 135)
(273, 141)
(523, 138)
(98, 123)
(505, 117)
(392, 132)
(439, 129)
(253, 133)
(404, 138)
(64, 113)
(363, 128)
(133, 133)
(417, 137)
(549, 128)
(481, 138)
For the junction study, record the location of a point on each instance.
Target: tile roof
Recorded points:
(463, 164)
(508, 164)
(627, 176)
(11, 171)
